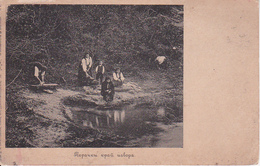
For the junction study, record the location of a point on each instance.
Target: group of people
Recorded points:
(85, 77)
(107, 87)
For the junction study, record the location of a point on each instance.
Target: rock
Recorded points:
(79, 100)
(90, 90)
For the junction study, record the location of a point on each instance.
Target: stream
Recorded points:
(81, 118)
(145, 126)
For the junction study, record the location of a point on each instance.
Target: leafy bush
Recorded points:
(120, 35)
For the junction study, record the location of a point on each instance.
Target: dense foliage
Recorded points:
(124, 36)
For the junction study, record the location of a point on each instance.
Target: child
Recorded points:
(100, 70)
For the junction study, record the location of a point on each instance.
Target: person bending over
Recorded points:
(84, 72)
(39, 73)
(161, 62)
(86, 63)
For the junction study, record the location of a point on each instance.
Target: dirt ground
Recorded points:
(37, 119)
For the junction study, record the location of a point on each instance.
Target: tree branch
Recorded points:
(14, 78)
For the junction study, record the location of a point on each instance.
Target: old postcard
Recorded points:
(129, 82)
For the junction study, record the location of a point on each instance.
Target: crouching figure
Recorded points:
(38, 73)
(118, 77)
(107, 90)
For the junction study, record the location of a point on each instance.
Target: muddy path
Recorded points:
(141, 115)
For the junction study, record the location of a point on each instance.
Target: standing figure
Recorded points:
(84, 72)
(118, 77)
(100, 70)
(107, 90)
(87, 64)
(39, 73)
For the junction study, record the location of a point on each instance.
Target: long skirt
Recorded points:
(99, 76)
(83, 80)
(108, 97)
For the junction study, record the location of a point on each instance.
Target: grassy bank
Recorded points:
(30, 115)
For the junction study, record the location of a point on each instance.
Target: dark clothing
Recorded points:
(100, 73)
(100, 68)
(31, 74)
(162, 66)
(107, 91)
(99, 76)
(34, 80)
(83, 79)
(161, 62)
(118, 83)
(90, 72)
(40, 66)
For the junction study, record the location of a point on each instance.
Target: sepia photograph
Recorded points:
(94, 76)
(129, 82)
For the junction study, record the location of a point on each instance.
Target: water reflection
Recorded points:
(131, 122)
(100, 118)
(117, 118)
